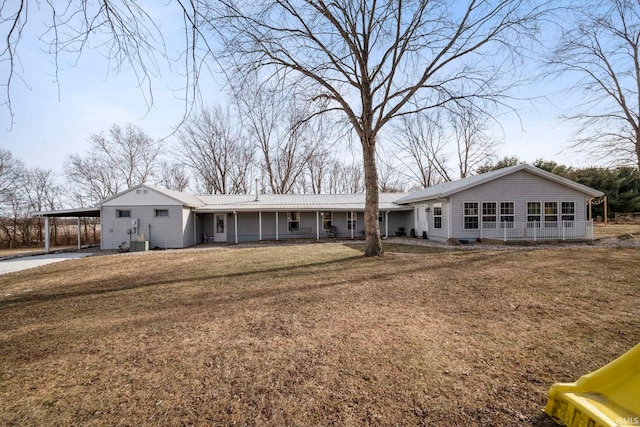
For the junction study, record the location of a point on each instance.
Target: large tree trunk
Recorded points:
(371, 225)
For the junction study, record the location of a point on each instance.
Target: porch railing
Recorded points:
(537, 230)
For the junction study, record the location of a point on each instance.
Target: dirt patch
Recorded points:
(310, 335)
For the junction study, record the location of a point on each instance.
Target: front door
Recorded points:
(220, 228)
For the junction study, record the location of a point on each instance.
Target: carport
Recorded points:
(66, 213)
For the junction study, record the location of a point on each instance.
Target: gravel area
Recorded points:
(627, 241)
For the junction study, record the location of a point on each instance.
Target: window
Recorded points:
(470, 216)
(568, 211)
(533, 213)
(327, 218)
(437, 217)
(507, 214)
(550, 214)
(489, 212)
(123, 213)
(161, 212)
(293, 220)
(380, 217)
(352, 220)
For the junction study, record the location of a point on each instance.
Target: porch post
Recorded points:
(235, 223)
(352, 221)
(260, 225)
(276, 225)
(386, 224)
(195, 230)
(79, 234)
(317, 225)
(46, 235)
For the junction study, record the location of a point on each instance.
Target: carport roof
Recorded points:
(71, 213)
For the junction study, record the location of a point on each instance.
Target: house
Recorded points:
(514, 203)
(519, 202)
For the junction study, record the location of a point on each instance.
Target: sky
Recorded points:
(53, 120)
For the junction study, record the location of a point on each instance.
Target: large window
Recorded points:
(293, 220)
(507, 214)
(534, 212)
(437, 217)
(489, 212)
(568, 211)
(551, 214)
(327, 220)
(352, 220)
(121, 213)
(470, 215)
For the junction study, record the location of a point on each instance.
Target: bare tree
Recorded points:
(126, 158)
(474, 144)
(173, 176)
(213, 148)
(601, 54)
(278, 123)
(420, 139)
(125, 32)
(375, 61)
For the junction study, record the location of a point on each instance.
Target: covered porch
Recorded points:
(245, 226)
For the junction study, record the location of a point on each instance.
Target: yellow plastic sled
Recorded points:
(607, 397)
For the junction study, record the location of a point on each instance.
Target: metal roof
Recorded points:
(71, 213)
(447, 189)
(295, 202)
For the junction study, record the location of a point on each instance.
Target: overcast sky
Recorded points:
(49, 125)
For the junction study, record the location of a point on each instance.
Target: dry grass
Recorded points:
(615, 230)
(310, 334)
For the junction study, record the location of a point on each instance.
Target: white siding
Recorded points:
(163, 231)
(142, 197)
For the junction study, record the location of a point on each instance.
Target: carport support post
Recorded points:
(317, 225)
(79, 235)
(260, 225)
(276, 225)
(46, 235)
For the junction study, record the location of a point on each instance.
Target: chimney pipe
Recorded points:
(256, 199)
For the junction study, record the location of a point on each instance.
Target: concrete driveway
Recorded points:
(23, 263)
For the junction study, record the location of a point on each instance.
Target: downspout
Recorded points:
(260, 225)
(317, 225)
(276, 225)
(79, 234)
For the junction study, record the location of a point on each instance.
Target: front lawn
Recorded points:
(310, 334)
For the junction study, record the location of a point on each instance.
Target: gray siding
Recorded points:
(520, 187)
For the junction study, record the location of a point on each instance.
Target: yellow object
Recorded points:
(607, 397)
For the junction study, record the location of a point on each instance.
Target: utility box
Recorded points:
(139, 246)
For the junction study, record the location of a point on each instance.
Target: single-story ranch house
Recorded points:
(519, 202)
